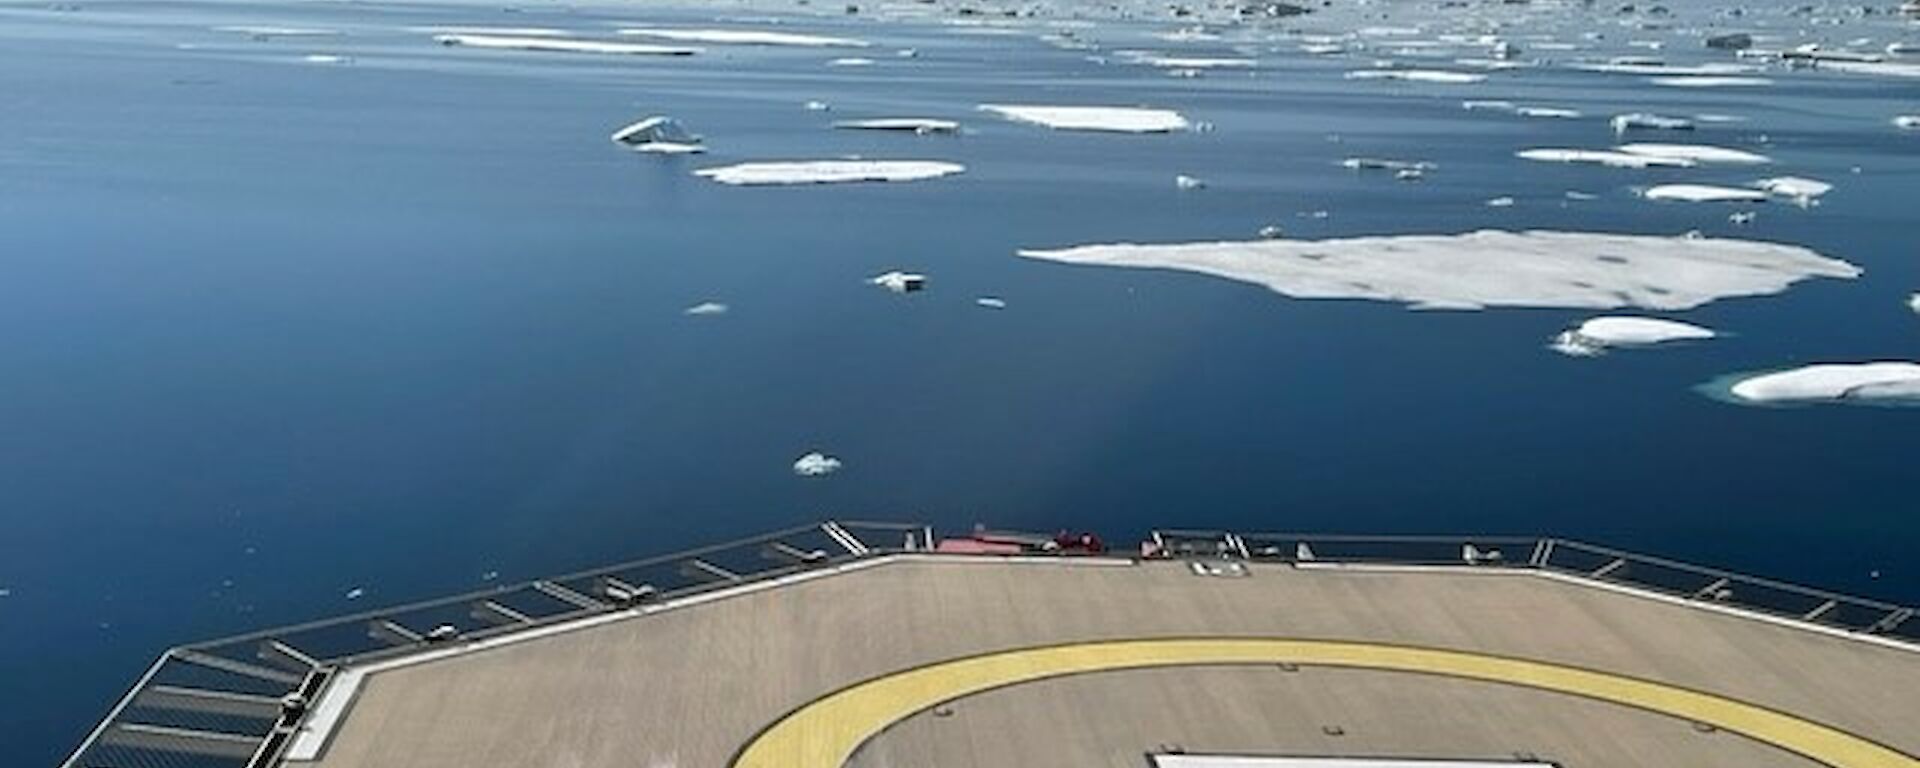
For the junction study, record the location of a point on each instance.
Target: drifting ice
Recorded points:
(900, 282)
(921, 125)
(1704, 193)
(707, 308)
(561, 45)
(1698, 153)
(743, 37)
(1600, 334)
(1886, 382)
(1602, 157)
(816, 464)
(659, 134)
(1116, 119)
(1417, 76)
(1489, 268)
(829, 171)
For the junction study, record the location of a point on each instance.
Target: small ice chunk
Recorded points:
(1703, 193)
(900, 282)
(1438, 76)
(264, 32)
(1183, 181)
(828, 171)
(920, 125)
(851, 61)
(1599, 334)
(1500, 202)
(1577, 195)
(1383, 164)
(356, 593)
(669, 148)
(1649, 121)
(1907, 122)
(816, 464)
(1698, 153)
(326, 58)
(817, 106)
(991, 302)
(1913, 303)
(658, 129)
(1602, 157)
(1741, 218)
(561, 45)
(1473, 105)
(1889, 381)
(743, 37)
(1268, 232)
(1409, 174)
(707, 308)
(1554, 112)
(1088, 118)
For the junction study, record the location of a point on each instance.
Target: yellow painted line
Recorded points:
(824, 733)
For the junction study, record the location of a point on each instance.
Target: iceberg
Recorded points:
(743, 37)
(816, 464)
(1697, 153)
(561, 45)
(1888, 382)
(1418, 76)
(1597, 335)
(1703, 193)
(899, 282)
(1602, 157)
(1115, 119)
(1488, 268)
(828, 171)
(921, 125)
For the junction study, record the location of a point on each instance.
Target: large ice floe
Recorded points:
(1488, 268)
(1597, 335)
(562, 45)
(1114, 119)
(1703, 193)
(1881, 383)
(1698, 153)
(742, 37)
(1604, 157)
(828, 171)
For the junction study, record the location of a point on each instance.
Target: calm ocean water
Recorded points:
(271, 330)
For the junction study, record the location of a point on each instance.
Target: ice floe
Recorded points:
(816, 464)
(262, 32)
(1191, 62)
(1908, 122)
(1488, 268)
(851, 61)
(1629, 65)
(561, 45)
(1384, 164)
(1418, 76)
(1881, 68)
(829, 171)
(991, 302)
(706, 308)
(1597, 335)
(1698, 153)
(899, 282)
(1649, 121)
(1705, 81)
(743, 37)
(1602, 157)
(922, 125)
(1554, 112)
(1799, 189)
(1887, 382)
(1913, 303)
(1703, 193)
(1074, 118)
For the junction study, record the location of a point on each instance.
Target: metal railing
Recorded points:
(1588, 561)
(236, 702)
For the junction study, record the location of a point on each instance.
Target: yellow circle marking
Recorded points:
(825, 733)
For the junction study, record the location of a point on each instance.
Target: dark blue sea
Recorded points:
(274, 329)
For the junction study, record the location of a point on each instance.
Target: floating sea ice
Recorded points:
(1913, 303)
(1649, 121)
(851, 61)
(1741, 218)
(1703, 193)
(1500, 202)
(920, 125)
(561, 45)
(659, 135)
(1698, 153)
(1488, 268)
(1597, 335)
(1184, 181)
(355, 593)
(1082, 118)
(1567, 114)
(829, 171)
(1382, 164)
(1710, 82)
(1602, 157)
(1474, 105)
(1883, 68)
(264, 32)
(743, 37)
(1908, 122)
(1577, 195)
(1187, 62)
(816, 464)
(817, 106)
(1888, 382)
(1800, 190)
(899, 282)
(707, 308)
(991, 302)
(1418, 76)
(326, 58)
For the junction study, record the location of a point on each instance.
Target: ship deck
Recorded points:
(1265, 658)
